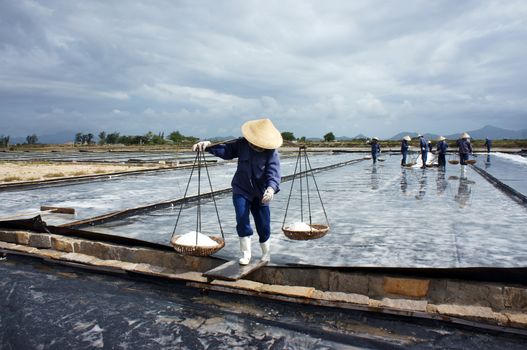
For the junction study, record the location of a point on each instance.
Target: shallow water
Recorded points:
(510, 169)
(380, 215)
(102, 196)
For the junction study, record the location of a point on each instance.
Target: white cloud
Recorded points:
(210, 66)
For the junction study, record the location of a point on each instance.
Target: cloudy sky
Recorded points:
(205, 67)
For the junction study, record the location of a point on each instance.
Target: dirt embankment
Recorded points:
(11, 172)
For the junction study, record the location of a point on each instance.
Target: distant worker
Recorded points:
(404, 148)
(255, 182)
(430, 147)
(375, 149)
(465, 148)
(488, 144)
(423, 145)
(442, 147)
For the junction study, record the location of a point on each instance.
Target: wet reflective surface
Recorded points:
(56, 307)
(380, 215)
(117, 193)
(510, 169)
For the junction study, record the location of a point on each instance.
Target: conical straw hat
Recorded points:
(441, 138)
(407, 138)
(465, 135)
(262, 133)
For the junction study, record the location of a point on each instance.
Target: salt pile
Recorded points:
(189, 239)
(299, 226)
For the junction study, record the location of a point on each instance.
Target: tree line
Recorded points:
(147, 139)
(289, 136)
(30, 140)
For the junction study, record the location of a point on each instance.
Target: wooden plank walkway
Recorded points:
(233, 271)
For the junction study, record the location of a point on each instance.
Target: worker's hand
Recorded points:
(200, 146)
(268, 195)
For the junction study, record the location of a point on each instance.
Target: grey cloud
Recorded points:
(203, 66)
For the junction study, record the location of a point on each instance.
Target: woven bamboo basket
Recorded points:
(409, 165)
(471, 161)
(366, 157)
(453, 161)
(318, 231)
(197, 250)
(381, 159)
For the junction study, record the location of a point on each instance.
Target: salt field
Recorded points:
(101, 196)
(380, 215)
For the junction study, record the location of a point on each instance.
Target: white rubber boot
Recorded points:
(266, 250)
(245, 248)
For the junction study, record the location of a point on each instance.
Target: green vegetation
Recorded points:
(32, 139)
(115, 138)
(288, 136)
(329, 137)
(4, 141)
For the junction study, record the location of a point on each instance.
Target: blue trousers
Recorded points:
(261, 215)
(463, 157)
(441, 159)
(423, 157)
(403, 161)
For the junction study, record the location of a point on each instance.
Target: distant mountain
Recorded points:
(343, 138)
(400, 135)
(489, 131)
(360, 137)
(493, 133)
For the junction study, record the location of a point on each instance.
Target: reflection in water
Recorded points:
(463, 190)
(422, 185)
(487, 162)
(441, 182)
(404, 181)
(374, 178)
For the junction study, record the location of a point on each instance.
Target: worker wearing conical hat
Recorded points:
(404, 148)
(465, 148)
(441, 147)
(375, 149)
(255, 182)
(423, 146)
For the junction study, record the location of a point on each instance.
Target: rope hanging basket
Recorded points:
(453, 161)
(317, 231)
(470, 161)
(311, 230)
(196, 250)
(182, 243)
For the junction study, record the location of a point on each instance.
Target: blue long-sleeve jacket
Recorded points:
(404, 146)
(442, 146)
(375, 148)
(423, 144)
(465, 147)
(256, 170)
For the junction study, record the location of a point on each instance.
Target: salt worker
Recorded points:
(404, 148)
(423, 145)
(375, 149)
(442, 147)
(465, 148)
(488, 144)
(256, 181)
